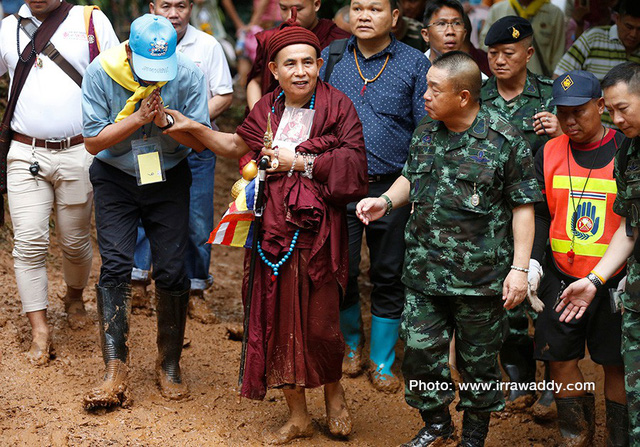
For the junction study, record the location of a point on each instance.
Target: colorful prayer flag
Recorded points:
(236, 226)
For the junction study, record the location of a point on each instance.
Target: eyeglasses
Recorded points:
(442, 26)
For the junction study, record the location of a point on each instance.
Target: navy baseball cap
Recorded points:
(574, 88)
(153, 41)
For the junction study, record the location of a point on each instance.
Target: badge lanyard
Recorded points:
(571, 254)
(148, 161)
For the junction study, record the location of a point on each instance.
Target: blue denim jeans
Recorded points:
(198, 253)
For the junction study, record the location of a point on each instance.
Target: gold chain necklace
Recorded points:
(368, 81)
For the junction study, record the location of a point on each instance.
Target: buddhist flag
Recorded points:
(236, 226)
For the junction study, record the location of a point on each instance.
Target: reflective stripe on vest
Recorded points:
(590, 213)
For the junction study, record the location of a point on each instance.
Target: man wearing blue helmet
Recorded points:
(139, 173)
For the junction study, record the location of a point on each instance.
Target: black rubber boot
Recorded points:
(475, 427)
(576, 420)
(517, 360)
(438, 427)
(172, 316)
(545, 407)
(114, 308)
(617, 424)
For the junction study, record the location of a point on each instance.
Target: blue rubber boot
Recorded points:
(351, 327)
(384, 335)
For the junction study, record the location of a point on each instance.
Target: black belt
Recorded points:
(55, 145)
(374, 178)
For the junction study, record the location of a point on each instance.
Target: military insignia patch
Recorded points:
(480, 158)
(426, 139)
(531, 88)
(480, 127)
(632, 166)
(567, 83)
(515, 33)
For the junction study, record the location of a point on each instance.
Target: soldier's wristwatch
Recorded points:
(389, 204)
(595, 280)
(170, 122)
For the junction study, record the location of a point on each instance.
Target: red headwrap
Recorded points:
(291, 33)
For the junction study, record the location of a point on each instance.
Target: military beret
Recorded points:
(509, 29)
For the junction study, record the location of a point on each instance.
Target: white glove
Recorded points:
(622, 285)
(534, 277)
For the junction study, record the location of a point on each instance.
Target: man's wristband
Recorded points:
(595, 279)
(519, 269)
(389, 204)
(170, 122)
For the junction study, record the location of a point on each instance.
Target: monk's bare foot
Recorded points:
(293, 429)
(41, 350)
(338, 415)
(74, 307)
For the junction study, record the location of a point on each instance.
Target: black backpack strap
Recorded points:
(336, 51)
(51, 51)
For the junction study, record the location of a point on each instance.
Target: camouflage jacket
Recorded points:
(627, 204)
(463, 187)
(519, 111)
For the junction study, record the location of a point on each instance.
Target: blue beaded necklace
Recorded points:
(276, 266)
(311, 104)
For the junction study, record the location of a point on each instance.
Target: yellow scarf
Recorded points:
(529, 11)
(115, 63)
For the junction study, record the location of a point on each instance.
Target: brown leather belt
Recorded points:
(54, 145)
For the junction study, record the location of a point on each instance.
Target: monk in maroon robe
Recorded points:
(294, 338)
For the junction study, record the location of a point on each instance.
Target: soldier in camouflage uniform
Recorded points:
(470, 180)
(621, 88)
(523, 98)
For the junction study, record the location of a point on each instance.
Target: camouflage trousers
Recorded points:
(428, 324)
(631, 358)
(518, 322)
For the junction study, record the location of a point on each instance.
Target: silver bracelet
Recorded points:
(519, 269)
(308, 165)
(293, 164)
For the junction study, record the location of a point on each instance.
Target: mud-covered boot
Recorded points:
(576, 420)
(617, 424)
(351, 328)
(545, 407)
(475, 427)
(114, 308)
(384, 335)
(517, 360)
(172, 317)
(437, 428)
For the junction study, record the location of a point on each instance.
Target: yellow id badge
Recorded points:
(147, 158)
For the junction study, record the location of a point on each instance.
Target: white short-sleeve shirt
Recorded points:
(50, 105)
(206, 52)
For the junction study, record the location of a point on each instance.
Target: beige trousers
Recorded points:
(62, 185)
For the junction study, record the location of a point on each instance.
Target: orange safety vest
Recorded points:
(593, 217)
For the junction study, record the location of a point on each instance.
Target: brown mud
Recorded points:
(41, 406)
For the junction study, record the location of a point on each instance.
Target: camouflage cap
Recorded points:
(509, 29)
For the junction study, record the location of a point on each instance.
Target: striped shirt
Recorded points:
(598, 50)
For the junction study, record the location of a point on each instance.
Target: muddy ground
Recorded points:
(41, 406)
